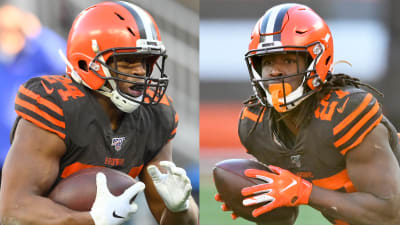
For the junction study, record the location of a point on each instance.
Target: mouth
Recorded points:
(136, 90)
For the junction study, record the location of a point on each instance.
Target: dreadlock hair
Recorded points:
(304, 112)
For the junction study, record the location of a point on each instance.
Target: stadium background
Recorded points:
(178, 21)
(365, 33)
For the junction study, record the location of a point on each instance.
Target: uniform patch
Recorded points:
(117, 143)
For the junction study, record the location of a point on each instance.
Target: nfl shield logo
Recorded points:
(117, 143)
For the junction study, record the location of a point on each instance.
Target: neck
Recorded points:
(289, 120)
(291, 124)
(113, 113)
(301, 115)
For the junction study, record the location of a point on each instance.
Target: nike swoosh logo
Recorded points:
(341, 109)
(48, 90)
(294, 182)
(115, 215)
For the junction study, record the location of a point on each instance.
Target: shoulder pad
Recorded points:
(169, 116)
(37, 102)
(254, 113)
(353, 112)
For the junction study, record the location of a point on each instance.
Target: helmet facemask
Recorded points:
(277, 91)
(290, 27)
(145, 89)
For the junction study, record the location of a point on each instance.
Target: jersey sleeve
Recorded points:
(37, 103)
(174, 127)
(165, 122)
(243, 126)
(171, 117)
(249, 121)
(357, 115)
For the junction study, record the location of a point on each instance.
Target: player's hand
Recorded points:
(281, 188)
(108, 209)
(174, 186)
(224, 206)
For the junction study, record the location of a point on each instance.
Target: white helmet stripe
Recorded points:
(273, 21)
(147, 22)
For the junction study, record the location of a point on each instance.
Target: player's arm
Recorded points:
(372, 168)
(375, 173)
(188, 214)
(29, 171)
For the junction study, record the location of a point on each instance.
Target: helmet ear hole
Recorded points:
(83, 65)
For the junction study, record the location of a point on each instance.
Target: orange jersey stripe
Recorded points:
(135, 171)
(164, 100)
(359, 140)
(176, 118)
(39, 112)
(75, 167)
(252, 116)
(353, 115)
(173, 132)
(357, 126)
(40, 124)
(334, 182)
(42, 101)
(340, 222)
(341, 93)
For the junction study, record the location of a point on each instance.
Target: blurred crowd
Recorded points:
(27, 49)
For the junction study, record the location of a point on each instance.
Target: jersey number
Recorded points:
(70, 90)
(326, 113)
(326, 109)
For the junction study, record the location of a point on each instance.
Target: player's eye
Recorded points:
(266, 62)
(290, 61)
(125, 66)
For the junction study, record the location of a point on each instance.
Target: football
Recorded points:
(78, 191)
(229, 179)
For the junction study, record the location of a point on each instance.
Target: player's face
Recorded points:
(133, 65)
(283, 64)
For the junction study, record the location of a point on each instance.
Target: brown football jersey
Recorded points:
(61, 106)
(340, 122)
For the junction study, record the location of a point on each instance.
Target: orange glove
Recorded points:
(224, 207)
(281, 188)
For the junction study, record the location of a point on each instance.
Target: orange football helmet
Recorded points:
(109, 29)
(290, 28)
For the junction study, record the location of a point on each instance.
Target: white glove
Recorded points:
(174, 187)
(108, 209)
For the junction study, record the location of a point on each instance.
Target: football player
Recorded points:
(111, 111)
(326, 140)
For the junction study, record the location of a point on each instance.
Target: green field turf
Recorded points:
(211, 213)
